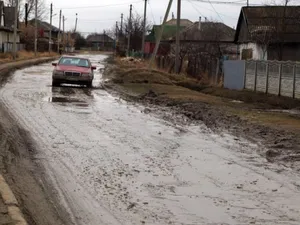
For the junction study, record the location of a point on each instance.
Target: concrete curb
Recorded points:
(11, 202)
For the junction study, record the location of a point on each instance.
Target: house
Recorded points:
(209, 36)
(269, 33)
(168, 32)
(100, 42)
(7, 20)
(203, 47)
(44, 29)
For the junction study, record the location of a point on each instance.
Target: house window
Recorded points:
(247, 54)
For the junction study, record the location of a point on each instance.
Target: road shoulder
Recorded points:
(25, 196)
(260, 118)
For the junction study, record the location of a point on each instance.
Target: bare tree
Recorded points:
(203, 49)
(43, 11)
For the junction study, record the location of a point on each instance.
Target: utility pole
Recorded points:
(63, 32)
(15, 30)
(177, 54)
(121, 27)
(76, 23)
(26, 14)
(35, 29)
(50, 30)
(144, 29)
(129, 30)
(59, 33)
(160, 34)
(117, 36)
(247, 3)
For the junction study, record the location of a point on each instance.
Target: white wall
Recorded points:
(257, 51)
(8, 37)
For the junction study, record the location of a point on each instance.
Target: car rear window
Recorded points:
(74, 62)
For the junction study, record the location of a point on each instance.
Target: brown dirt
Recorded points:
(255, 116)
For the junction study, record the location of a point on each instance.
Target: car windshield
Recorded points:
(74, 62)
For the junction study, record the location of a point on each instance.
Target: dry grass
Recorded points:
(23, 55)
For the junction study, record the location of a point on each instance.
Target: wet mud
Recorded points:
(109, 161)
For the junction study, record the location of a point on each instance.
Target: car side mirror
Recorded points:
(94, 67)
(54, 64)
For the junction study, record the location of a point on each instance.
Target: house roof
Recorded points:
(169, 31)
(267, 18)
(99, 38)
(183, 22)
(44, 25)
(207, 32)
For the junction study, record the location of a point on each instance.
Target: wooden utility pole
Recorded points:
(76, 23)
(161, 30)
(177, 54)
(144, 28)
(121, 26)
(26, 14)
(35, 29)
(59, 33)
(50, 29)
(129, 30)
(63, 32)
(15, 30)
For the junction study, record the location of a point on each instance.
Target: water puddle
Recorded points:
(288, 111)
(66, 100)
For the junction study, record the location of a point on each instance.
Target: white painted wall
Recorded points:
(8, 37)
(257, 54)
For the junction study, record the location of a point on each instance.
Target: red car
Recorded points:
(73, 70)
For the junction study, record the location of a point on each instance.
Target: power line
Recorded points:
(237, 3)
(195, 8)
(216, 11)
(101, 6)
(152, 13)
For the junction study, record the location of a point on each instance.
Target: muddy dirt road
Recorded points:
(111, 162)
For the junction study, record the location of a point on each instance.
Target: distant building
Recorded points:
(169, 31)
(269, 33)
(7, 19)
(100, 42)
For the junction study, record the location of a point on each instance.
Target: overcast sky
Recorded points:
(95, 15)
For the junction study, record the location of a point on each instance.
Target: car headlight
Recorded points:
(58, 72)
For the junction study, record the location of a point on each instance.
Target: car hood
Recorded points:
(73, 68)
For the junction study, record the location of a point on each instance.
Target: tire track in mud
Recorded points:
(107, 157)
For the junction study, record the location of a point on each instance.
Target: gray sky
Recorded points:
(95, 15)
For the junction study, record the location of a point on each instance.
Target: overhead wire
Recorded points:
(195, 4)
(153, 17)
(195, 7)
(216, 11)
(99, 6)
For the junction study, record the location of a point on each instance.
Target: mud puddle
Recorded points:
(123, 164)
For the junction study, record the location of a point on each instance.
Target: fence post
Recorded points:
(294, 80)
(280, 76)
(267, 78)
(255, 76)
